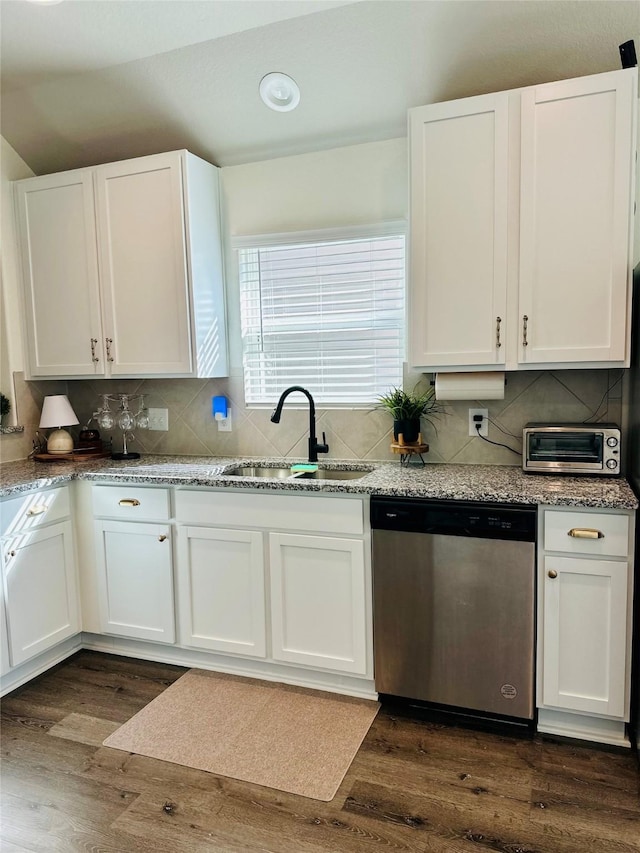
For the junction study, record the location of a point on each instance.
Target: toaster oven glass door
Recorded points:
(577, 448)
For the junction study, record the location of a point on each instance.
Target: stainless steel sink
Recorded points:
(260, 471)
(287, 473)
(327, 474)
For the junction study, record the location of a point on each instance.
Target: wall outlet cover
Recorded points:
(159, 419)
(225, 424)
(484, 429)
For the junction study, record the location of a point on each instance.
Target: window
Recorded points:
(327, 314)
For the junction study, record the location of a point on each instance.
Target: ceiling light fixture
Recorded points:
(279, 92)
(46, 2)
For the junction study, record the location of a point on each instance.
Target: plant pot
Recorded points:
(410, 430)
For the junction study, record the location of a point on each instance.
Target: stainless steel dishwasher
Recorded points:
(454, 602)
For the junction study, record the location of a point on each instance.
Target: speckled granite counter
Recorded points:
(499, 483)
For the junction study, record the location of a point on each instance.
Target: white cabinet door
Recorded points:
(143, 266)
(459, 156)
(40, 590)
(577, 150)
(318, 606)
(135, 580)
(57, 234)
(584, 635)
(221, 590)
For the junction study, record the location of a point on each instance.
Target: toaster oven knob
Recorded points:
(612, 441)
(612, 463)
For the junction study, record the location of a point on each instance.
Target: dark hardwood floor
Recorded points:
(413, 786)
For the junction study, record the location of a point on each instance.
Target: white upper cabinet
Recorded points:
(459, 166)
(126, 258)
(576, 198)
(521, 212)
(57, 230)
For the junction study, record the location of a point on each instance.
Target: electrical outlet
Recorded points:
(225, 424)
(159, 419)
(484, 427)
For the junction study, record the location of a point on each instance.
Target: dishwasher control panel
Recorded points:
(454, 518)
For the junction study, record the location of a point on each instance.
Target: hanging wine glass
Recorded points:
(126, 419)
(142, 417)
(105, 417)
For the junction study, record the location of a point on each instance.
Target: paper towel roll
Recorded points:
(469, 386)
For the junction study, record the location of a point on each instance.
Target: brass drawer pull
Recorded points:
(129, 502)
(552, 573)
(162, 537)
(585, 533)
(37, 510)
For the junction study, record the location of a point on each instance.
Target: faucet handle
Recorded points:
(324, 447)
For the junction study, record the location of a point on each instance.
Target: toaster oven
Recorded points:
(571, 449)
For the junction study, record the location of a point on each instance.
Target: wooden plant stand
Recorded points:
(409, 449)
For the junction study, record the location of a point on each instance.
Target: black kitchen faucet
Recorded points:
(314, 447)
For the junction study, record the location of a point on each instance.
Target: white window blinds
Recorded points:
(325, 315)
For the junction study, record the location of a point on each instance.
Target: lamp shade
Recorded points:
(57, 412)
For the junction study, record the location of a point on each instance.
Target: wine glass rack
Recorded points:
(123, 418)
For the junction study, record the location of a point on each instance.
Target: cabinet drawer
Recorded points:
(291, 512)
(131, 503)
(595, 533)
(34, 510)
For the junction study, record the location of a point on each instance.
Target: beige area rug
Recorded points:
(289, 738)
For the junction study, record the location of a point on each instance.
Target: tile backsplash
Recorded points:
(562, 396)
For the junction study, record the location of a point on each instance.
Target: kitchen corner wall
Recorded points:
(356, 185)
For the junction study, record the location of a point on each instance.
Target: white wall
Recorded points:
(12, 168)
(356, 185)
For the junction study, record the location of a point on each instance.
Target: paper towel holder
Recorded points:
(481, 385)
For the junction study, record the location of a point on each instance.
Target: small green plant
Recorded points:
(404, 406)
(5, 405)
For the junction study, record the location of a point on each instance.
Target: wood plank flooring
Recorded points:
(415, 787)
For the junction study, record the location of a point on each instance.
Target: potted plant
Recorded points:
(5, 408)
(407, 409)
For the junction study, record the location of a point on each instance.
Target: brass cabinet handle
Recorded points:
(498, 322)
(552, 573)
(525, 323)
(94, 357)
(585, 533)
(162, 537)
(37, 510)
(129, 502)
(108, 342)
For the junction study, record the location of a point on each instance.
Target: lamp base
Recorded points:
(59, 442)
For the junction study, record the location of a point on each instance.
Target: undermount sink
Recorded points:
(287, 473)
(258, 471)
(324, 474)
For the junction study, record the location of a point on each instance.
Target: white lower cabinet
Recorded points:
(318, 606)
(40, 590)
(221, 590)
(285, 578)
(585, 637)
(584, 629)
(135, 579)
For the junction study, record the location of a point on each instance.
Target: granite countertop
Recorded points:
(487, 483)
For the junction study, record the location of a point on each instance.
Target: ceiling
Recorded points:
(93, 81)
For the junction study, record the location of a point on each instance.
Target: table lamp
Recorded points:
(56, 413)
